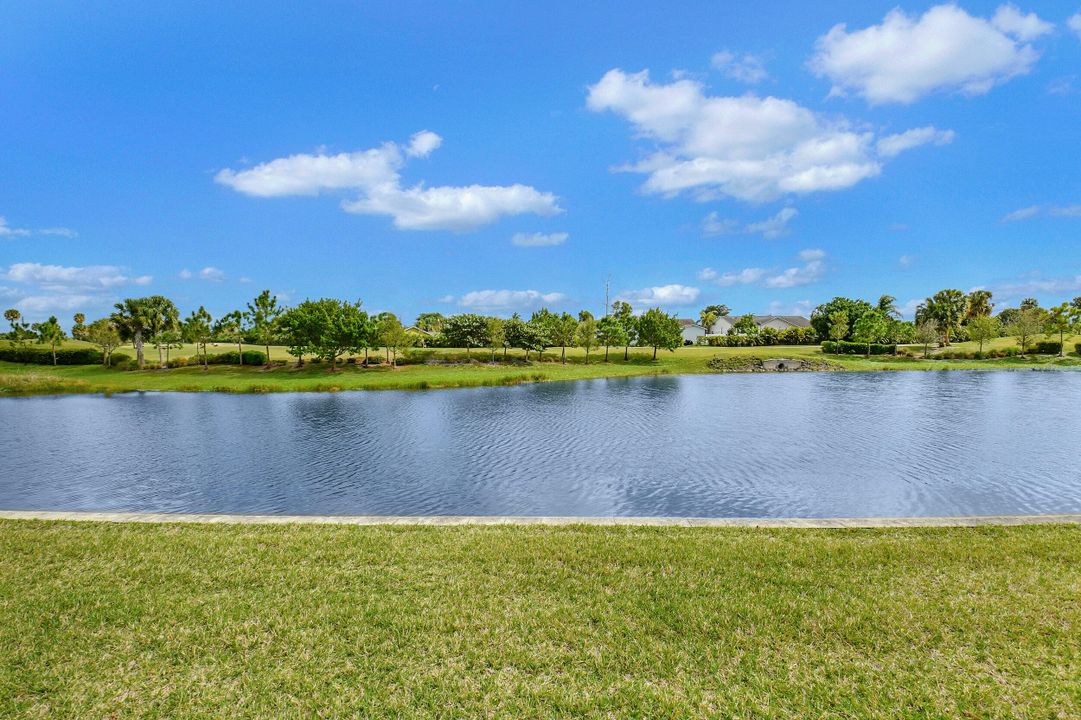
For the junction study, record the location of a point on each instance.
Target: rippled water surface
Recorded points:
(790, 445)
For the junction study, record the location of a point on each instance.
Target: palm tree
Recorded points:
(979, 304)
(130, 319)
(706, 319)
(947, 308)
(161, 317)
(887, 305)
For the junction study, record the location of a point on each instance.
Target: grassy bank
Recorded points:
(130, 620)
(449, 369)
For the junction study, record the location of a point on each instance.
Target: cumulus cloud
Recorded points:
(811, 269)
(1027, 213)
(747, 147)
(539, 239)
(375, 175)
(506, 300)
(772, 227)
(1074, 23)
(11, 232)
(661, 295)
(212, 274)
(893, 145)
(744, 68)
(905, 58)
(57, 288)
(1033, 284)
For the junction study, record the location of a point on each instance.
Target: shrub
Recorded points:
(1047, 347)
(251, 357)
(844, 347)
(1077, 348)
(767, 337)
(43, 356)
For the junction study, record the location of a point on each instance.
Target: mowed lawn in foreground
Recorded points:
(449, 368)
(142, 620)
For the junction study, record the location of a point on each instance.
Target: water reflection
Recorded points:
(789, 445)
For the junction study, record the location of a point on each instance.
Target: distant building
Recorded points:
(691, 330)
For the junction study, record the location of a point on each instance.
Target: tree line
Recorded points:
(330, 328)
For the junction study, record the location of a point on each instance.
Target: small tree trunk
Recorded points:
(139, 358)
(268, 355)
(504, 352)
(240, 354)
(606, 353)
(626, 349)
(654, 352)
(365, 357)
(54, 355)
(563, 357)
(161, 357)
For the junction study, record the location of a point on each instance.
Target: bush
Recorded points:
(765, 338)
(251, 357)
(1077, 348)
(1047, 347)
(43, 356)
(852, 348)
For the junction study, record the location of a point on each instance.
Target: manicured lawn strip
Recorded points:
(18, 379)
(140, 620)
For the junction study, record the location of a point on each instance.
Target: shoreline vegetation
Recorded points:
(444, 368)
(330, 345)
(170, 620)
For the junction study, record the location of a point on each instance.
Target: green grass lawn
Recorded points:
(139, 620)
(17, 379)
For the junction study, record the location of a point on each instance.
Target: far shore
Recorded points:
(455, 368)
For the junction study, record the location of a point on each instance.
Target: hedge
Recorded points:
(43, 356)
(852, 348)
(251, 357)
(764, 338)
(1047, 347)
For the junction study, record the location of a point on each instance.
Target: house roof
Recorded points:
(794, 320)
(688, 323)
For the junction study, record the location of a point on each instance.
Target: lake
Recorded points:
(741, 445)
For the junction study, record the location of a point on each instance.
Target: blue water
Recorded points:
(766, 445)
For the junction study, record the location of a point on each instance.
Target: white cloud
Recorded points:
(662, 295)
(57, 288)
(8, 231)
(746, 276)
(1074, 23)
(375, 175)
(507, 300)
(800, 307)
(745, 68)
(243, 279)
(184, 274)
(905, 58)
(893, 145)
(812, 269)
(775, 226)
(539, 239)
(772, 227)
(422, 144)
(748, 147)
(906, 261)
(1027, 213)
(1034, 283)
(212, 274)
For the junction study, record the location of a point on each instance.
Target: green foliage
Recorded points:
(50, 333)
(853, 310)
(1029, 322)
(838, 325)
(978, 304)
(766, 337)
(197, 329)
(78, 330)
(857, 348)
(585, 336)
(871, 328)
(947, 308)
(610, 332)
(466, 330)
(393, 336)
(982, 328)
(497, 337)
(745, 325)
(44, 356)
(262, 318)
(658, 329)
(430, 322)
(327, 328)
(104, 334)
(1047, 347)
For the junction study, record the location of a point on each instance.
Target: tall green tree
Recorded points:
(887, 306)
(838, 325)
(562, 329)
(430, 322)
(1027, 325)
(745, 325)
(198, 329)
(982, 328)
(870, 328)
(1059, 322)
(262, 315)
(853, 309)
(50, 333)
(230, 327)
(718, 310)
(707, 319)
(104, 334)
(659, 330)
(623, 314)
(131, 320)
(326, 328)
(514, 331)
(466, 330)
(161, 316)
(394, 337)
(947, 308)
(610, 333)
(78, 330)
(585, 335)
(1029, 303)
(497, 336)
(978, 304)
(21, 335)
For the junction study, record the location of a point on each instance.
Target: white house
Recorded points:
(691, 330)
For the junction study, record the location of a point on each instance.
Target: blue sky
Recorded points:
(493, 158)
